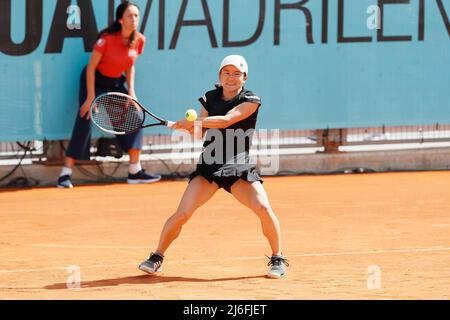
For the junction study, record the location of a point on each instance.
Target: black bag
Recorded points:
(109, 147)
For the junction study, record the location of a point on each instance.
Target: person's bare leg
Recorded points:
(198, 192)
(69, 162)
(135, 155)
(253, 196)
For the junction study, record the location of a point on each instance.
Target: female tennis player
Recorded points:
(228, 114)
(115, 53)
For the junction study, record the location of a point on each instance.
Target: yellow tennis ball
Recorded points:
(191, 115)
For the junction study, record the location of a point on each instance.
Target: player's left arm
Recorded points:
(238, 113)
(130, 75)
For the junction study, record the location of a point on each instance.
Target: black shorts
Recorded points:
(226, 182)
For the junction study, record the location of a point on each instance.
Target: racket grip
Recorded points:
(169, 124)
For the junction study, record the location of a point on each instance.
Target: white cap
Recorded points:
(237, 61)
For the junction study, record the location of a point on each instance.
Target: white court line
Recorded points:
(67, 268)
(329, 254)
(32, 270)
(75, 246)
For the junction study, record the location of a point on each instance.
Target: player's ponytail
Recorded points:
(116, 26)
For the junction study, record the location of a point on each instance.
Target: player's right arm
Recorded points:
(90, 83)
(196, 131)
(200, 132)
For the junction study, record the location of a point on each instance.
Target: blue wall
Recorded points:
(308, 77)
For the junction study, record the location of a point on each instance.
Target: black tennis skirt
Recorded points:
(245, 171)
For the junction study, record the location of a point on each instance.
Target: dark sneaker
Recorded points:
(142, 177)
(153, 264)
(64, 182)
(277, 268)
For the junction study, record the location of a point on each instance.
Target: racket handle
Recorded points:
(169, 124)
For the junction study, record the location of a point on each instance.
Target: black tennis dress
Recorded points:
(226, 152)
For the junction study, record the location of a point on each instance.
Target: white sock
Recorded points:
(66, 171)
(134, 168)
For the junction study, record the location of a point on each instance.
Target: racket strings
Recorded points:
(117, 113)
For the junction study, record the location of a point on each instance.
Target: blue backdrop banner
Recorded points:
(315, 63)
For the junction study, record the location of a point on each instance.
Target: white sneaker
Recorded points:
(64, 182)
(142, 177)
(153, 264)
(277, 268)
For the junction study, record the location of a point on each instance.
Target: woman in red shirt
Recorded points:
(114, 55)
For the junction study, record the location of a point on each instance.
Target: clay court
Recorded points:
(339, 232)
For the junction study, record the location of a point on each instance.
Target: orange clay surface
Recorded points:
(367, 236)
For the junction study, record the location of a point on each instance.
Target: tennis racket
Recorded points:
(118, 113)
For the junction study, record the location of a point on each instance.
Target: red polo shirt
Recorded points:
(116, 56)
